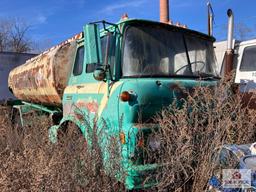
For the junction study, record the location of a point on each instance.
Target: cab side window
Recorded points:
(78, 66)
(249, 59)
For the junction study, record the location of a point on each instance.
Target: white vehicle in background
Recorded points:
(244, 59)
(239, 57)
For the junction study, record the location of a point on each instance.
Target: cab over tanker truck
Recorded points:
(123, 75)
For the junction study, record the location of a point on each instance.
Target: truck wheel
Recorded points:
(71, 137)
(56, 118)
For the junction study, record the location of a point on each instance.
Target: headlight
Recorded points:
(154, 143)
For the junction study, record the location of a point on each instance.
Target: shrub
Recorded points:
(190, 136)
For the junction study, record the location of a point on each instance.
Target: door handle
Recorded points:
(79, 86)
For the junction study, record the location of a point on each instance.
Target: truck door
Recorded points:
(86, 89)
(92, 95)
(70, 98)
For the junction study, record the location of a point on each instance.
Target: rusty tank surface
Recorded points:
(42, 79)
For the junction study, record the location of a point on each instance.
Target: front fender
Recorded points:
(53, 130)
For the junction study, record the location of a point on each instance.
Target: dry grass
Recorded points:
(189, 137)
(192, 135)
(29, 162)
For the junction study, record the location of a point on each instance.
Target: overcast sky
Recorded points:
(55, 20)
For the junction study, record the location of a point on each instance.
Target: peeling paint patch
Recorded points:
(91, 105)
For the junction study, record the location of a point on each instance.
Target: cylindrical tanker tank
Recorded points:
(42, 79)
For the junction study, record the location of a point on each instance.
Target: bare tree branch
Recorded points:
(14, 36)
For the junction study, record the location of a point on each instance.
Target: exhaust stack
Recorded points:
(164, 11)
(230, 29)
(210, 19)
(230, 51)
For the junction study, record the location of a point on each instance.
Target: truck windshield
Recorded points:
(157, 51)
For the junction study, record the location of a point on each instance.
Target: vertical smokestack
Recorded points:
(164, 11)
(230, 29)
(210, 19)
(230, 51)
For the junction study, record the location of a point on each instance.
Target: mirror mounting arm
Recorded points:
(104, 23)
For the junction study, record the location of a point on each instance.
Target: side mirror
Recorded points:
(99, 74)
(92, 44)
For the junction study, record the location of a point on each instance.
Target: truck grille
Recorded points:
(149, 149)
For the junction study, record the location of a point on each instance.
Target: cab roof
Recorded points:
(165, 25)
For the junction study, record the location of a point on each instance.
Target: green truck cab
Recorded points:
(127, 74)
(122, 76)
